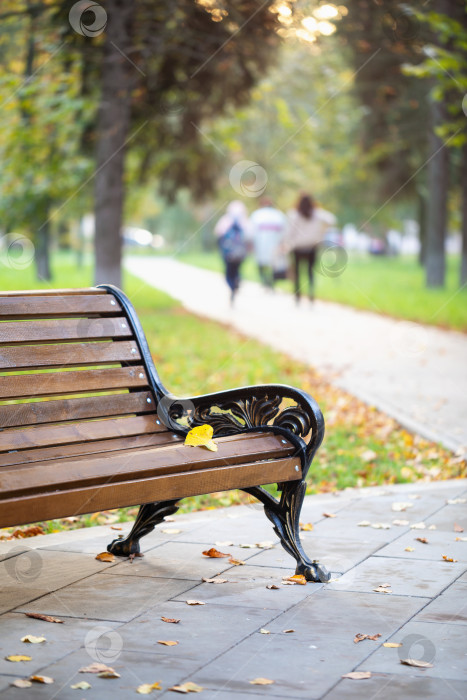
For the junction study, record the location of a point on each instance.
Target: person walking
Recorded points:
(307, 227)
(231, 232)
(268, 228)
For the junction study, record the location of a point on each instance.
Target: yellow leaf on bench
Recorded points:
(201, 436)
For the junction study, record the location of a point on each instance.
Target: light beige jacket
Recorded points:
(303, 234)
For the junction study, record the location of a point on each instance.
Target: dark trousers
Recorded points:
(303, 258)
(232, 274)
(266, 275)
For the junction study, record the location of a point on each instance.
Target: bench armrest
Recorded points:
(276, 407)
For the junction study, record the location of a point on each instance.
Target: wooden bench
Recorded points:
(86, 424)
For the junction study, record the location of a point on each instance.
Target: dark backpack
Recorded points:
(232, 244)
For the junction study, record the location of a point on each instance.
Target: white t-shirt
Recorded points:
(268, 226)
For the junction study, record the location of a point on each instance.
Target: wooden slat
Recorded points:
(44, 435)
(57, 410)
(58, 452)
(27, 509)
(59, 330)
(67, 355)
(52, 292)
(78, 472)
(58, 305)
(19, 386)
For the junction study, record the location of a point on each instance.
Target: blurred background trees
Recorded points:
(138, 112)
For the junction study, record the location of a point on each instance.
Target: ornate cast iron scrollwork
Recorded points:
(149, 515)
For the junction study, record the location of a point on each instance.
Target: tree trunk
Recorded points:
(463, 276)
(42, 252)
(422, 223)
(113, 128)
(438, 182)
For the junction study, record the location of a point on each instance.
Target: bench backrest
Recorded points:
(60, 351)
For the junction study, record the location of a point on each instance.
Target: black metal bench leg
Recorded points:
(149, 515)
(285, 517)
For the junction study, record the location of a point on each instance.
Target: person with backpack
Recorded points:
(231, 231)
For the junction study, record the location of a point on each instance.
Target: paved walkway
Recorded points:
(112, 611)
(415, 373)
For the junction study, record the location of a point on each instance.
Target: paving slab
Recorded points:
(439, 544)
(450, 607)
(383, 686)
(440, 644)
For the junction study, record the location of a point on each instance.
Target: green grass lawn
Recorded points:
(362, 446)
(393, 286)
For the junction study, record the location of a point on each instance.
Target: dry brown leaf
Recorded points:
(236, 562)
(116, 527)
(108, 674)
(214, 580)
(288, 631)
(329, 515)
(417, 663)
(41, 679)
(382, 589)
(423, 540)
(147, 688)
(261, 681)
(272, 587)
(360, 637)
(458, 528)
(105, 556)
(187, 688)
(22, 683)
(32, 639)
(357, 675)
(45, 618)
(195, 602)
(297, 578)
(28, 532)
(82, 685)
(446, 558)
(214, 553)
(18, 657)
(392, 645)
(461, 539)
(306, 527)
(168, 643)
(173, 620)
(95, 667)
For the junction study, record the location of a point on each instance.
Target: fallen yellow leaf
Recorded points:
(18, 657)
(272, 587)
(416, 663)
(306, 527)
(173, 620)
(261, 681)
(41, 679)
(82, 685)
(214, 580)
(446, 558)
(357, 675)
(297, 578)
(22, 683)
(195, 602)
(187, 688)
(105, 556)
(32, 639)
(263, 631)
(110, 673)
(214, 553)
(147, 688)
(236, 562)
(201, 436)
(168, 643)
(95, 668)
(329, 515)
(392, 645)
(409, 549)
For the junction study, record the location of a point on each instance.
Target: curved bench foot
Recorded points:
(149, 515)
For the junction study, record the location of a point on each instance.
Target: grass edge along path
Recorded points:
(362, 446)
